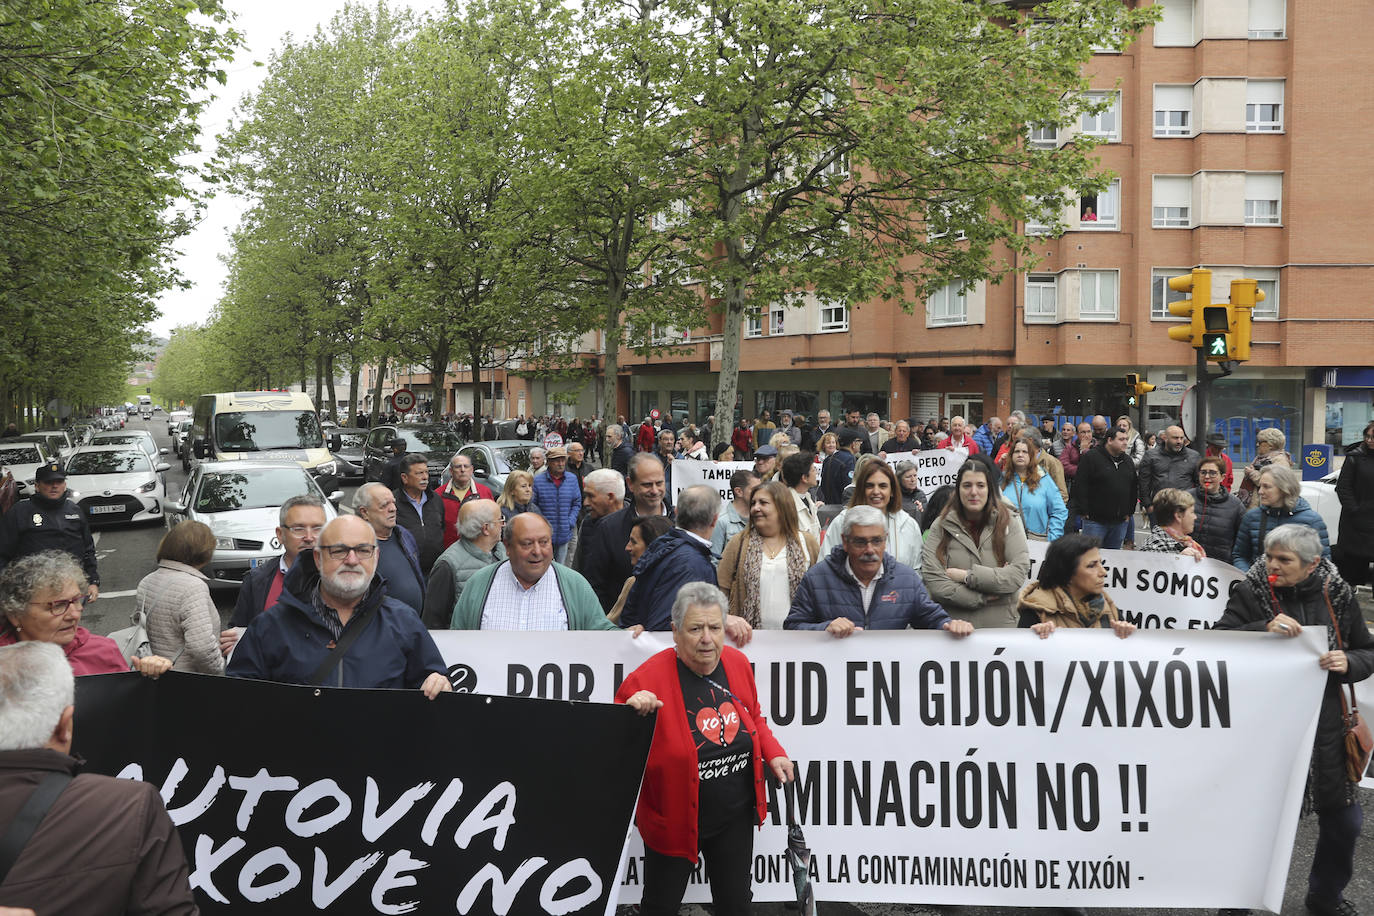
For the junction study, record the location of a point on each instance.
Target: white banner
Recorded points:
(689, 473)
(934, 467)
(1364, 696)
(1001, 769)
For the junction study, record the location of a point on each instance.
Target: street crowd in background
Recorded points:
(815, 532)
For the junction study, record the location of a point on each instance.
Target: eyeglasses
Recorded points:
(339, 551)
(62, 605)
(867, 542)
(300, 530)
(1211, 472)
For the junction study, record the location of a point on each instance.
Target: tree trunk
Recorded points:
(438, 372)
(333, 395)
(615, 299)
(319, 378)
(475, 364)
(377, 392)
(354, 408)
(727, 388)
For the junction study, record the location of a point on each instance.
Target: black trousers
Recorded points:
(729, 855)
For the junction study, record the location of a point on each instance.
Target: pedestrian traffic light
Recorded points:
(1244, 295)
(1199, 283)
(1216, 334)
(1135, 388)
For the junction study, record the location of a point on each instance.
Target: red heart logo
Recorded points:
(718, 725)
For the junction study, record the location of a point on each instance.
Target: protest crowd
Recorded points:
(827, 530)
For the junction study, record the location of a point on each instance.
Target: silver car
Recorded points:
(117, 483)
(139, 437)
(240, 501)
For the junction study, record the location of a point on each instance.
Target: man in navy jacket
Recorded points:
(861, 587)
(673, 559)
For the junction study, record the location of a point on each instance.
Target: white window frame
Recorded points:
(753, 324)
(953, 304)
(1096, 278)
(1261, 28)
(1108, 217)
(1167, 104)
(1268, 281)
(1161, 295)
(676, 214)
(1094, 125)
(1260, 94)
(1266, 210)
(1043, 136)
(1167, 207)
(828, 311)
(1038, 288)
(777, 319)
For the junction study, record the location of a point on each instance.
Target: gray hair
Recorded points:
(50, 570)
(697, 507)
(362, 498)
(471, 522)
(1272, 437)
(36, 686)
(699, 594)
(1288, 483)
(541, 452)
(308, 499)
(863, 517)
(904, 466)
(1299, 539)
(1020, 415)
(638, 459)
(605, 480)
(614, 432)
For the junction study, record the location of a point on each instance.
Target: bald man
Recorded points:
(334, 624)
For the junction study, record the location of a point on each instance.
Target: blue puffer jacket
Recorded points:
(559, 503)
(287, 642)
(984, 437)
(828, 591)
(670, 562)
(1253, 528)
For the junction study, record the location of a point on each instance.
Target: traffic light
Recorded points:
(1244, 295)
(1199, 283)
(1216, 334)
(1135, 388)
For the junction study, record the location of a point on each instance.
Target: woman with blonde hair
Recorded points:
(517, 495)
(762, 566)
(876, 485)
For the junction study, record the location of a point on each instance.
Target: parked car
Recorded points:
(23, 459)
(494, 459)
(1321, 494)
(117, 483)
(59, 442)
(240, 501)
(433, 440)
(348, 448)
(139, 437)
(175, 417)
(181, 442)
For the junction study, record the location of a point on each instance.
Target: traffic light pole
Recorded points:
(1204, 400)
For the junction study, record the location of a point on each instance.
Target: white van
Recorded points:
(262, 426)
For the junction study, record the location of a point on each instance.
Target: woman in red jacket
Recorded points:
(704, 785)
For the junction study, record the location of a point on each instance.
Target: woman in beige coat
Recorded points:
(974, 560)
(183, 623)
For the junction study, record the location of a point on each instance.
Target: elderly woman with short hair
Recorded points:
(704, 787)
(1280, 503)
(1294, 586)
(42, 597)
(1175, 514)
(1269, 452)
(182, 620)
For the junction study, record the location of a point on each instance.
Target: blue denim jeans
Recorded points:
(1110, 535)
(560, 553)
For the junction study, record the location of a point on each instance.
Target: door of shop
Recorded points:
(968, 406)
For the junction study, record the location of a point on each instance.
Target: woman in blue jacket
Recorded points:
(1024, 486)
(1278, 492)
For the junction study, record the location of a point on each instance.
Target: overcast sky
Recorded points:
(265, 24)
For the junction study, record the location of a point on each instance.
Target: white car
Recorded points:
(241, 502)
(176, 417)
(117, 483)
(137, 437)
(23, 459)
(1321, 495)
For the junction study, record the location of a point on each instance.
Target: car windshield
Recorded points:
(352, 441)
(227, 491)
(430, 440)
(12, 455)
(108, 463)
(261, 430)
(517, 457)
(120, 440)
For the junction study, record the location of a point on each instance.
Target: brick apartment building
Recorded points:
(1238, 131)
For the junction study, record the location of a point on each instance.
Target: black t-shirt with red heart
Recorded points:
(724, 748)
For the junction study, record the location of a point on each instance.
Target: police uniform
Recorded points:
(35, 524)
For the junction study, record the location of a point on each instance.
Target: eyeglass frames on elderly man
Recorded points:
(339, 551)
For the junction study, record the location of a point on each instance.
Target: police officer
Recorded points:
(48, 520)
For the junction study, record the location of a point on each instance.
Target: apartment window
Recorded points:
(1040, 223)
(753, 325)
(1173, 197)
(1173, 111)
(1175, 26)
(944, 218)
(1099, 211)
(839, 168)
(1042, 303)
(1097, 294)
(948, 305)
(1160, 294)
(834, 316)
(1105, 123)
(1267, 19)
(776, 319)
(1267, 281)
(1263, 106)
(1263, 196)
(675, 215)
(1044, 136)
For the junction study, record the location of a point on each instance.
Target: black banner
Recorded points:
(296, 799)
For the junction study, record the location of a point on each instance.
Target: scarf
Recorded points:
(797, 562)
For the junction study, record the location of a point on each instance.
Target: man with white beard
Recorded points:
(334, 624)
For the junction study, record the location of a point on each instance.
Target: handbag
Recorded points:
(1359, 743)
(133, 640)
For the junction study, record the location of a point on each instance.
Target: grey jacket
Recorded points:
(182, 620)
(1160, 469)
(451, 572)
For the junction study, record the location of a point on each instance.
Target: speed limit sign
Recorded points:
(403, 400)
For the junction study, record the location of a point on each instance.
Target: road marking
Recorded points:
(124, 594)
(95, 536)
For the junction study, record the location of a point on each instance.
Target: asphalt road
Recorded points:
(126, 555)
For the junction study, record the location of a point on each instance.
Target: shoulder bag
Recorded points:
(1359, 743)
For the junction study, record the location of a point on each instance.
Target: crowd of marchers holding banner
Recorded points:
(824, 533)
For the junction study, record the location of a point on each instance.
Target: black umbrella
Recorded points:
(798, 854)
